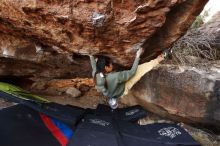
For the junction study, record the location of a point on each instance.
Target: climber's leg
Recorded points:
(141, 70)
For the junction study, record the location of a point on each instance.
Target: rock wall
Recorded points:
(112, 28)
(185, 94)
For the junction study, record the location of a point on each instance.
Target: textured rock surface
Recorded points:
(54, 86)
(183, 94)
(105, 27)
(19, 57)
(73, 92)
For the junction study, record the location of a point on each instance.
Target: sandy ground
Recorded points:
(89, 100)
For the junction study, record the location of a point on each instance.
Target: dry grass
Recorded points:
(193, 46)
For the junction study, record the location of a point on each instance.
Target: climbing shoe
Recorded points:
(113, 103)
(167, 54)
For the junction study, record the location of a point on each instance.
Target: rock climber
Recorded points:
(117, 84)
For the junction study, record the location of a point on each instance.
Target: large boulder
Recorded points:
(185, 94)
(112, 28)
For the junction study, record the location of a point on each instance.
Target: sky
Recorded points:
(213, 6)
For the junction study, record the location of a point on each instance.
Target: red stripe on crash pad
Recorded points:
(54, 130)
